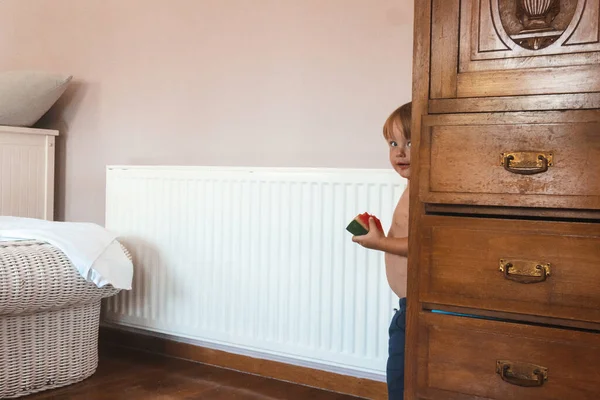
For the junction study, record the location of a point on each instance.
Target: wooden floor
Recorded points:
(131, 375)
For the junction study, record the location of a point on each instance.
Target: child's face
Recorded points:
(399, 152)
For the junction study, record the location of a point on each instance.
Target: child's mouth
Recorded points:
(403, 166)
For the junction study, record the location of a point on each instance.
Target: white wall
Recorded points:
(212, 82)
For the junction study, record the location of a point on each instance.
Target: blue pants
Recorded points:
(395, 363)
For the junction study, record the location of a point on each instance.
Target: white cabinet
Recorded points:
(27, 172)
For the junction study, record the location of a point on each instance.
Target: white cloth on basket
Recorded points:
(93, 250)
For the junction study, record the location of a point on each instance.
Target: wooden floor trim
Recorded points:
(360, 387)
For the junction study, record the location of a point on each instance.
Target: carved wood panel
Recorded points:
(517, 29)
(487, 48)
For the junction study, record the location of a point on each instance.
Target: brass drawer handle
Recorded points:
(521, 374)
(526, 162)
(525, 271)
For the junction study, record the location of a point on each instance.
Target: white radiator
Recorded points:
(27, 172)
(256, 261)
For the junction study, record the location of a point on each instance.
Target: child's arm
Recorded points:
(377, 240)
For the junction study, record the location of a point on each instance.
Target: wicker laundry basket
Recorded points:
(49, 319)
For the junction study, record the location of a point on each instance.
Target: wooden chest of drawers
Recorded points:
(504, 254)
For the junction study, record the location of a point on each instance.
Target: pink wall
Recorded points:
(212, 82)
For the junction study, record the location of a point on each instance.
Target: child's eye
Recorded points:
(408, 144)
(393, 144)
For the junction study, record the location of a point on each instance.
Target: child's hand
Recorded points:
(373, 239)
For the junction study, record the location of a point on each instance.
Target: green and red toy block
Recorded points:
(360, 224)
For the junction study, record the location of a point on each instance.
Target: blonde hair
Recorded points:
(402, 116)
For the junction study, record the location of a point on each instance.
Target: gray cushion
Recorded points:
(25, 96)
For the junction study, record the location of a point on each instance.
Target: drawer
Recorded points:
(467, 359)
(542, 160)
(461, 260)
